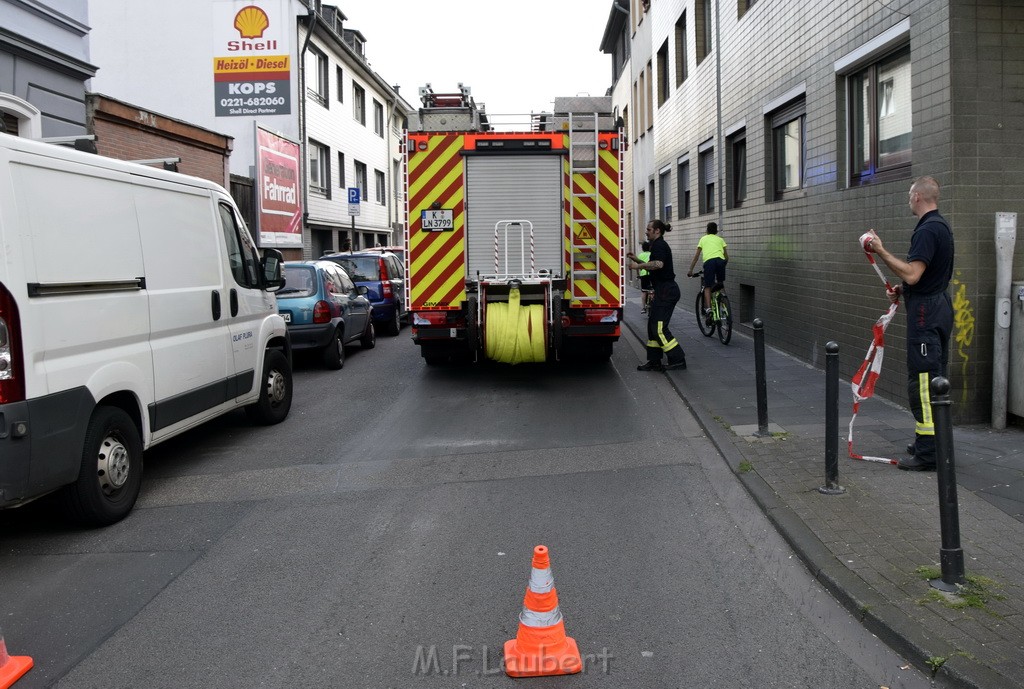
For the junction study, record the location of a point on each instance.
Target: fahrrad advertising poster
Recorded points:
(279, 210)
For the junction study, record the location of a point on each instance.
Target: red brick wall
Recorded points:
(127, 132)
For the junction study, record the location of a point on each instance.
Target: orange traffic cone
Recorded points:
(541, 647)
(11, 667)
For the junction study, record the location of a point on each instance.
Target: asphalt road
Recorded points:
(382, 535)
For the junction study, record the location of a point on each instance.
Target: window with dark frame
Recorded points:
(665, 194)
(705, 41)
(316, 76)
(341, 170)
(359, 104)
(360, 173)
(319, 169)
(381, 186)
(788, 148)
(683, 182)
(650, 94)
(737, 170)
(880, 114)
(340, 78)
(663, 80)
(743, 6)
(681, 66)
(706, 180)
(378, 118)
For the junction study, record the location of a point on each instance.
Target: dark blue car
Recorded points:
(324, 310)
(383, 274)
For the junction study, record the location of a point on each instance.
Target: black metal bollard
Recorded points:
(951, 556)
(832, 486)
(759, 374)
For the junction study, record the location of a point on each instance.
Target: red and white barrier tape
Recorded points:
(863, 383)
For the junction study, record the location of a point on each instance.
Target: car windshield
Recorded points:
(360, 268)
(299, 281)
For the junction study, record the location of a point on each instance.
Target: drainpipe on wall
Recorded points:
(718, 101)
(303, 139)
(1006, 237)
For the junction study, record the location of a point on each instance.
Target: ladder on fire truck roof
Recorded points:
(584, 207)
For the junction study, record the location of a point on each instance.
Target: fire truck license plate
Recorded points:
(437, 221)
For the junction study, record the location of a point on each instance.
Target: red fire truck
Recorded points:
(515, 239)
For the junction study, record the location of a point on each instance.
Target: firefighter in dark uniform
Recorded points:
(666, 295)
(926, 274)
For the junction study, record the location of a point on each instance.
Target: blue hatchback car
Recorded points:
(383, 274)
(324, 310)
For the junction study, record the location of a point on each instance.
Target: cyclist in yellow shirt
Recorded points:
(716, 255)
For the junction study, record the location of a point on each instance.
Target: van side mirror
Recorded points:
(273, 277)
(362, 289)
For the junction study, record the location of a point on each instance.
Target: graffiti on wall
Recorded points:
(963, 328)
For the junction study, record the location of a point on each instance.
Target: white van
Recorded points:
(133, 306)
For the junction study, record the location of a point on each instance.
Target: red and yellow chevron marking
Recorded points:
(607, 228)
(437, 260)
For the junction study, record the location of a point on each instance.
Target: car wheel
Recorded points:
(275, 390)
(394, 325)
(110, 475)
(334, 352)
(369, 338)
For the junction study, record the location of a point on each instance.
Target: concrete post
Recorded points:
(1006, 237)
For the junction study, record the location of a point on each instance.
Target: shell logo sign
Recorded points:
(251, 64)
(251, 22)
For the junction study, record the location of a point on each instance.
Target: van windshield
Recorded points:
(360, 268)
(299, 281)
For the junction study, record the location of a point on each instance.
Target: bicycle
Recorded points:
(721, 313)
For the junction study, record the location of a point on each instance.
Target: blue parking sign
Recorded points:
(353, 194)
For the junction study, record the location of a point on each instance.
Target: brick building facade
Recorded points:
(127, 132)
(828, 111)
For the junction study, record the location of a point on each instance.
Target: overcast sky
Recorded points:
(515, 55)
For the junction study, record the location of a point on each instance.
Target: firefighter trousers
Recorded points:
(929, 326)
(659, 337)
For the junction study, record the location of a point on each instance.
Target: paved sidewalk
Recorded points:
(866, 545)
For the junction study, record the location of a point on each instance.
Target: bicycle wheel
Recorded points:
(724, 319)
(706, 329)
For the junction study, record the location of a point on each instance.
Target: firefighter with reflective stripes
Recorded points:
(666, 295)
(926, 274)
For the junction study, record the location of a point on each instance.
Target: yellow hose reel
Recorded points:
(515, 333)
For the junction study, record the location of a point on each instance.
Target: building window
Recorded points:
(625, 122)
(787, 155)
(736, 146)
(743, 6)
(706, 178)
(359, 104)
(378, 118)
(663, 81)
(650, 94)
(683, 180)
(319, 169)
(681, 67)
(638, 102)
(880, 119)
(360, 169)
(705, 42)
(665, 193)
(652, 211)
(341, 170)
(316, 75)
(381, 186)
(340, 89)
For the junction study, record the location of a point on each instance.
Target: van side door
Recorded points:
(246, 304)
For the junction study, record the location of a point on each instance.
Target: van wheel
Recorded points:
(275, 390)
(369, 338)
(334, 353)
(394, 325)
(110, 476)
